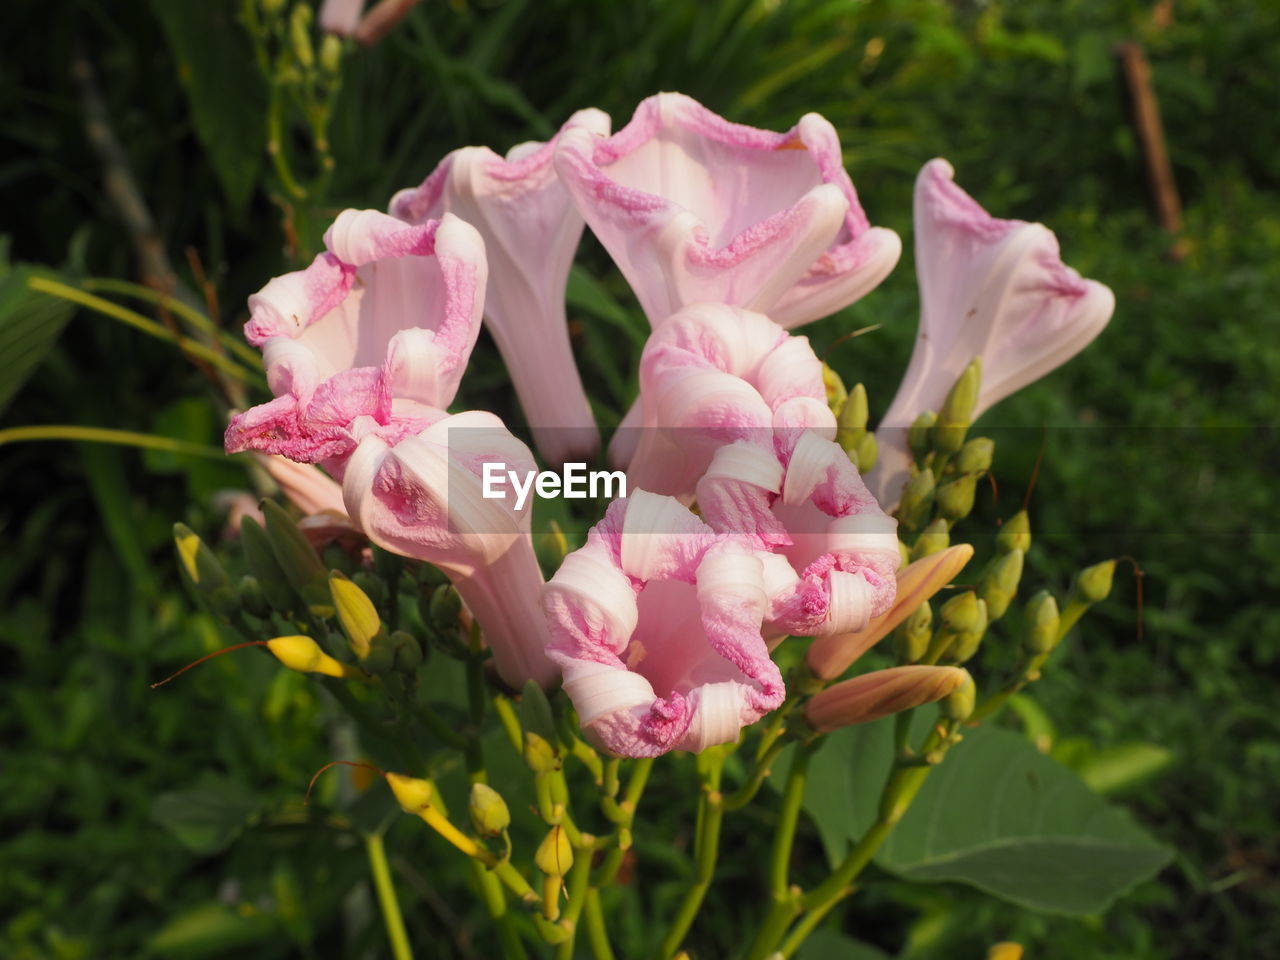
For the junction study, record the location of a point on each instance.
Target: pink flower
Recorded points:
(308, 488)
(341, 16)
(531, 232)
(370, 340)
(423, 498)
(695, 209)
(713, 374)
(881, 693)
(656, 625)
(989, 288)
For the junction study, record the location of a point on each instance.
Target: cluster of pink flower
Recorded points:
(661, 625)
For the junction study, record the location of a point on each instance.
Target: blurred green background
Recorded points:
(1159, 441)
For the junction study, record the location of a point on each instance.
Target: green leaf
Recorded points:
(210, 930)
(227, 94)
(828, 944)
(208, 816)
(997, 815)
(1122, 766)
(30, 323)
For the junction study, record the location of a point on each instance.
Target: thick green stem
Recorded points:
(575, 897)
(623, 814)
(788, 819)
(707, 848)
(597, 933)
(387, 897)
(495, 901)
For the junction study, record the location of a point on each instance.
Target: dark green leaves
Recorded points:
(208, 816)
(29, 324)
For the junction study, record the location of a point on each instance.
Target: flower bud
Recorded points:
(967, 642)
(957, 410)
(272, 7)
(933, 538)
(489, 813)
(918, 435)
(198, 562)
(866, 453)
(999, 584)
(298, 559)
(249, 592)
(879, 694)
(380, 657)
(300, 36)
(555, 854)
(407, 651)
(413, 795)
(1015, 534)
(264, 566)
(552, 546)
(835, 389)
(539, 755)
(356, 613)
(962, 614)
(1093, 584)
(851, 424)
(444, 607)
(1006, 950)
(331, 55)
(976, 455)
(304, 655)
(1043, 621)
(912, 638)
(917, 500)
(959, 703)
(955, 498)
(535, 712)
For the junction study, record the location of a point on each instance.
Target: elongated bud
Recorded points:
(489, 813)
(851, 424)
(198, 561)
(555, 854)
(918, 435)
(957, 410)
(834, 386)
(955, 497)
(830, 656)
(264, 566)
(917, 500)
(413, 795)
(331, 55)
(933, 538)
(1093, 584)
(976, 455)
(959, 703)
(300, 36)
(967, 642)
(1015, 534)
(879, 694)
(407, 651)
(867, 453)
(356, 613)
(304, 655)
(249, 592)
(298, 559)
(552, 546)
(912, 638)
(962, 614)
(273, 7)
(444, 607)
(535, 713)
(539, 755)
(999, 584)
(1043, 621)
(1006, 950)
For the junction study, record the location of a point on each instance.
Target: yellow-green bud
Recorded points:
(539, 755)
(957, 410)
(1015, 534)
(553, 545)
(300, 36)
(866, 453)
(489, 813)
(967, 642)
(444, 608)
(976, 455)
(1093, 584)
(933, 538)
(264, 566)
(331, 54)
(251, 597)
(381, 655)
(851, 424)
(911, 640)
(1043, 621)
(962, 613)
(917, 499)
(958, 705)
(918, 435)
(356, 614)
(304, 655)
(273, 7)
(835, 389)
(955, 497)
(407, 651)
(298, 559)
(999, 584)
(413, 795)
(555, 854)
(198, 561)
(535, 712)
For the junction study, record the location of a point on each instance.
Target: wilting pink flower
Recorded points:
(370, 340)
(881, 693)
(340, 16)
(531, 231)
(656, 624)
(695, 209)
(308, 488)
(834, 550)
(713, 374)
(424, 498)
(989, 288)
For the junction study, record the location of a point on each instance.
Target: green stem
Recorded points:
(495, 901)
(747, 792)
(506, 712)
(575, 898)
(597, 933)
(807, 925)
(783, 902)
(707, 846)
(123, 438)
(623, 814)
(387, 897)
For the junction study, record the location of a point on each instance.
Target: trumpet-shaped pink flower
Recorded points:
(656, 625)
(308, 488)
(695, 209)
(531, 231)
(835, 551)
(882, 693)
(341, 16)
(423, 498)
(713, 374)
(370, 340)
(989, 288)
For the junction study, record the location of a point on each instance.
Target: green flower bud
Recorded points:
(555, 854)
(265, 568)
(198, 562)
(999, 584)
(967, 642)
(252, 597)
(539, 755)
(300, 36)
(918, 435)
(976, 455)
(380, 657)
(489, 813)
(387, 566)
(851, 424)
(962, 613)
(331, 55)
(957, 410)
(1043, 621)
(955, 498)
(1015, 534)
(958, 705)
(933, 538)
(535, 712)
(299, 561)
(917, 499)
(444, 608)
(407, 650)
(356, 613)
(911, 640)
(272, 7)
(1093, 584)
(836, 391)
(866, 453)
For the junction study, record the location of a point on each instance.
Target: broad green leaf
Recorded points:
(828, 944)
(210, 930)
(997, 815)
(226, 93)
(208, 816)
(30, 323)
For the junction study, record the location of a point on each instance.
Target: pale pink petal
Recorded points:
(341, 16)
(307, 487)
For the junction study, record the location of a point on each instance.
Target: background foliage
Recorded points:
(117, 839)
